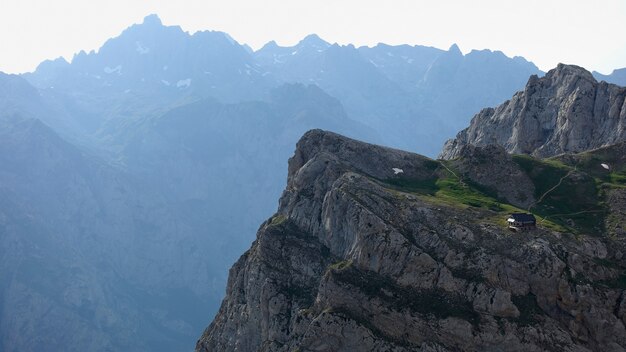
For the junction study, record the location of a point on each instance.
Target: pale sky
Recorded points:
(582, 32)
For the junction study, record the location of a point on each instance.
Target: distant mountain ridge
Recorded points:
(618, 76)
(567, 111)
(399, 91)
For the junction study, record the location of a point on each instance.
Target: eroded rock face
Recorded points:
(565, 111)
(349, 263)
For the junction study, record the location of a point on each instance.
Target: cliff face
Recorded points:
(565, 111)
(360, 257)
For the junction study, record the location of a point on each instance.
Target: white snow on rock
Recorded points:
(117, 69)
(606, 166)
(397, 171)
(142, 50)
(184, 83)
(373, 63)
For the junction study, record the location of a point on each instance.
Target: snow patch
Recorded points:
(142, 50)
(117, 69)
(397, 170)
(183, 83)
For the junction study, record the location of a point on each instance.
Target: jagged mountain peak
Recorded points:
(455, 50)
(313, 40)
(567, 110)
(564, 72)
(152, 20)
(269, 45)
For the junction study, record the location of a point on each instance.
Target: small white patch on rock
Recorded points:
(183, 83)
(606, 166)
(117, 69)
(142, 50)
(397, 171)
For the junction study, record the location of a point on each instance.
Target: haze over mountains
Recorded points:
(133, 177)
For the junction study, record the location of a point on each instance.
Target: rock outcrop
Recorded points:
(566, 111)
(363, 257)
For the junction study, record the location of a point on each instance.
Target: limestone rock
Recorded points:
(350, 263)
(565, 111)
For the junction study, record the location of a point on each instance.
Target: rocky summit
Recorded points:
(565, 111)
(376, 249)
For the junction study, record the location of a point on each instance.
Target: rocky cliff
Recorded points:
(567, 110)
(375, 249)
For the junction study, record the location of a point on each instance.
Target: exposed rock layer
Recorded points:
(351, 263)
(566, 111)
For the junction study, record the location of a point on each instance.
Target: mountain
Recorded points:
(403, 64)
(130, 251)
(413, 96)
(565, 111)
(361, 257)
(456, 84)
(133, 176)
(76, 252)
(618, 77)
(153, 59)
(147, 70)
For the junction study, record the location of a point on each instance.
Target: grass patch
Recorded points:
(340, 265)
(427, 186)
(277, 219)
(450, 188)
(575, 204)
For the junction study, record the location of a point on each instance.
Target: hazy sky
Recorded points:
(583, 32)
